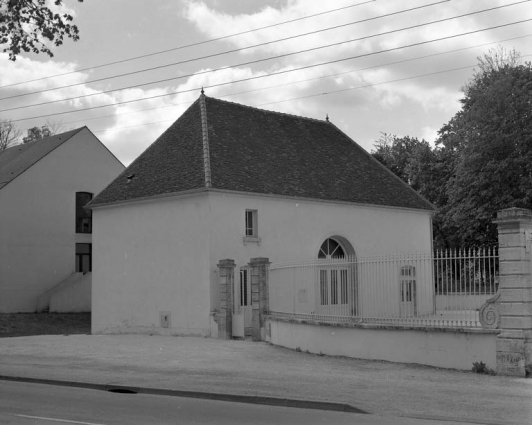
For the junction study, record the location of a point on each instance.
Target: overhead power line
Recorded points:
(310, 95)
(258, 60)
(382, 65)
(370, 85)
(190, 45)
(227, 51)
(276, 73)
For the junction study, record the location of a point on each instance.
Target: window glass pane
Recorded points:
(324, 288)
(83, 248)
(85, 263)
(325, 248)
(343, 285)
(334, 286)
(83, 216)
(251, 223)
(331, 249)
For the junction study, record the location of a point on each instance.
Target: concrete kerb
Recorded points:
(235, 398)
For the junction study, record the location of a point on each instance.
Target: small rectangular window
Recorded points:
(251, 223)
(83, 257)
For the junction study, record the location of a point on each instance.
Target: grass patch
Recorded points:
(27, 324)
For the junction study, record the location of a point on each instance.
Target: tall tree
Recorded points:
(25, 25)
(425, 169)
(493, 137)
(9, 134)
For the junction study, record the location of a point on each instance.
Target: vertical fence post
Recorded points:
(226, 277)
(512, 311)
(259, 296)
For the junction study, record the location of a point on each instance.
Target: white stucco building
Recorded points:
(227, 181)
(45, 233)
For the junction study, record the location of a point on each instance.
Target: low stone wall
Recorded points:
(441, 347)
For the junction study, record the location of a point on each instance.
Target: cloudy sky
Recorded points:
(382, 66)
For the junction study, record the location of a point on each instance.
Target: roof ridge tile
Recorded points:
(205, 140)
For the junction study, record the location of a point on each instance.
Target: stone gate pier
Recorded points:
(511, 309)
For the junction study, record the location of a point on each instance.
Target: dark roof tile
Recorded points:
(259, 151)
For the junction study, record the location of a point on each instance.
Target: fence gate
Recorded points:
(243, 308)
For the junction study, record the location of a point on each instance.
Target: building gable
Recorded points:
(17, 159)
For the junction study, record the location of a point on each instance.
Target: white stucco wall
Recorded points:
(73, 298)
(149, 258)
(37, 218)
(447, 348)
(294, 229)
(161, 255)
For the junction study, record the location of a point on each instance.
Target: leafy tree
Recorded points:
(24, 24)
(492, 135)
(482, 161)
(424, 168)
(398, 154)
(37, 133)
(9, 134)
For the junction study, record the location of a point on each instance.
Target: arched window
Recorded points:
(335, 282)
(331, 248)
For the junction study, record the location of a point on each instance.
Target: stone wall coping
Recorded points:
(381, 326)
(259, 260)
(226, 263)
(513, 214)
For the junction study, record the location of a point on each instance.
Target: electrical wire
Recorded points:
(189, 45)
(261, 60)
(382, 65)
(311, 95)
(230, 51)
(275, 73)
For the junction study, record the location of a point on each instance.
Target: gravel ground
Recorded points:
(26, 324)
(253, 368)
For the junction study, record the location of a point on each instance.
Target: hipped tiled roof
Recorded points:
(223, 145)
(17, 159)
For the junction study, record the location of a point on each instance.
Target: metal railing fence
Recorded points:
(443, 288)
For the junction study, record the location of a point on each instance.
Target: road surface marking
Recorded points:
(58, 420)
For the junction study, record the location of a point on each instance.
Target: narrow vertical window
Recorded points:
(83, 216)
(251, 223)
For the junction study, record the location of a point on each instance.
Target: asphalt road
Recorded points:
(24, 403)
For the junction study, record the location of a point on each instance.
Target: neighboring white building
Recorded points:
(228, 181)
(45, 233)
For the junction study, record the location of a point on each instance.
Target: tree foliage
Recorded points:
(25, 26)
(9, 134)
(493, 135)
(37, 133)
(482, 160)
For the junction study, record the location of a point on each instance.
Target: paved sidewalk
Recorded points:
(259, 369)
